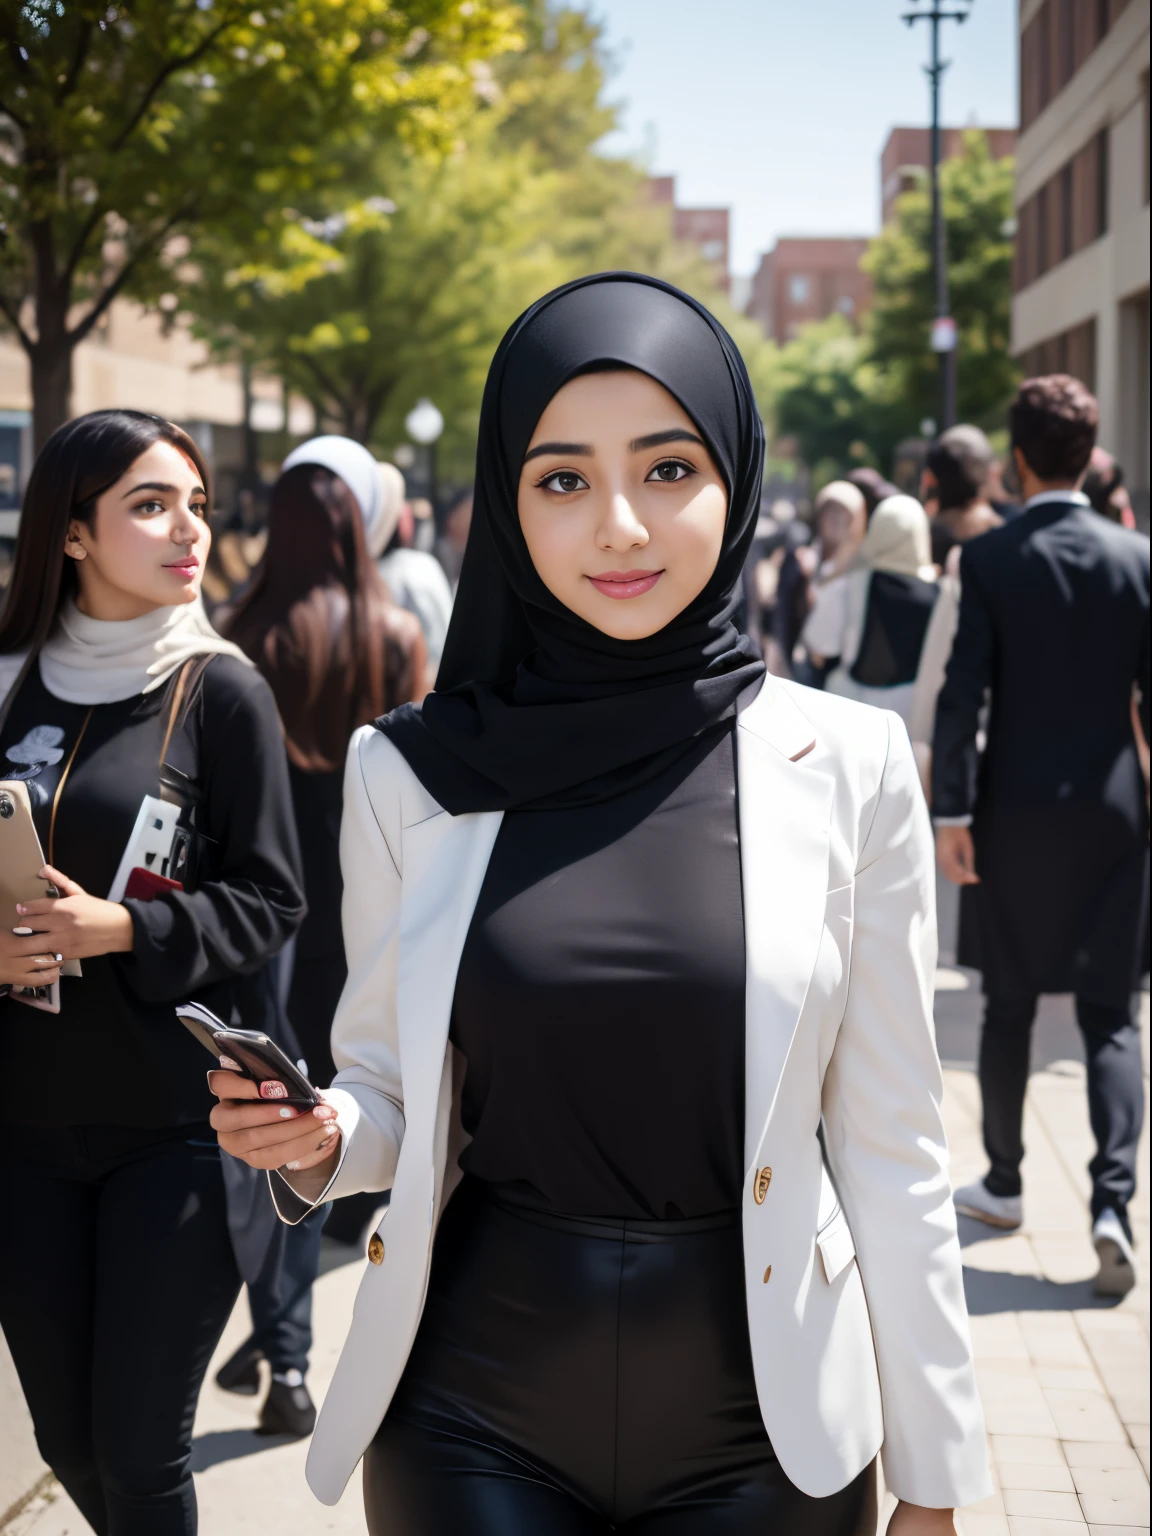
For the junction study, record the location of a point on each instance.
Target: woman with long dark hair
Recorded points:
(151, 755)
(337, 653)
(638, 1021)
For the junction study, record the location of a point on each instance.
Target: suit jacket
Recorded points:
(855, 1300)
(1054, 625)
(1054, 621)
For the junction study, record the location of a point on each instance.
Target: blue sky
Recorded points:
(779, 108)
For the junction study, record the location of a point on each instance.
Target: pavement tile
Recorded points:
(1099, 1455)
(1076, 1380)
(1035, 1449)
(981, 1525)
(1129, 1483)
(1138, 1434)
(1116, 1508)
(1047, 1478)
(1031, 1525)
(1081, 1415)
(1041, 1503)
(1117, 1530)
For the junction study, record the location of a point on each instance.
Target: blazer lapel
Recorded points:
(785, 807)
(444, 862)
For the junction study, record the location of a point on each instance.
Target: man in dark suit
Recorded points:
(1047, 828)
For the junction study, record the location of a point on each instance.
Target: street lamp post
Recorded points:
(943, 336)
(424, 424)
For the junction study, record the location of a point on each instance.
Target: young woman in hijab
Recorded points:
(874, 618)
(640, 956)
(119, 1272)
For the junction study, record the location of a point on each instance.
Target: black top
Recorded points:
(600, 1001)
(116, 1054)
(895, 623)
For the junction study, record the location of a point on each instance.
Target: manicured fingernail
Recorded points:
(59, 959)
(21, 908)
(22, 933)
(273, 1090)
(331, 1129)
(325, 1112)
(287, 1114)
(228, 1064)
(293, 1165)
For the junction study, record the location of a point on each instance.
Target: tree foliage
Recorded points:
(364, 305)
(850, 397)
(123, 125)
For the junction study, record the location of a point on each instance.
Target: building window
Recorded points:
(1102, 182)
(846, 305)
(1072, 351)
(712, 250)
(798, 288)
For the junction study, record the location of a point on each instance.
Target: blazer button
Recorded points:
(760, 1188)
(376, 1249)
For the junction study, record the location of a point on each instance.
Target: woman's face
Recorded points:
(621, 506)
(147, 542)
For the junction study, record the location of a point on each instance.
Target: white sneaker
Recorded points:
(1117, 1273)
(1004, 1211)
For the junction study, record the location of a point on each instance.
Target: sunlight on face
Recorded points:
(146, 546)
(621, 506)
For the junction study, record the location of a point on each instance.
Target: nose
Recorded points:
(186, 526)
(620, 528)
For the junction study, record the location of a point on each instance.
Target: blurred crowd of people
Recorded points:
(1009, 630)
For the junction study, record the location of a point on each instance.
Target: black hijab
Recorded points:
(534, 707)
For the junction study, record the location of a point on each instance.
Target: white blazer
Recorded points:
(855, 1300)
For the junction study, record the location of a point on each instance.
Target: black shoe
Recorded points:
(287, 1411)
(241, 1373)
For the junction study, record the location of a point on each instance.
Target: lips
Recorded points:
(622, 584)
(187, 567)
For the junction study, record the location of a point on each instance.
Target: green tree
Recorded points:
(977, 194)
(126, 125)
(364, 306)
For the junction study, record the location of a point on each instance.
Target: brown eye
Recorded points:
(668, 471)
(563, 482)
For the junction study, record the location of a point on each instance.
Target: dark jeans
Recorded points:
(280, 1300)
(1115, 1095)
(574, 1377)
(117, 1281)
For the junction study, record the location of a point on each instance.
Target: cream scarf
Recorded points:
(97, 661)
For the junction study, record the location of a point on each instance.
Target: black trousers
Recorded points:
(280, 1298)
(117, 1281)
(577, 1377)
(1115, 1094)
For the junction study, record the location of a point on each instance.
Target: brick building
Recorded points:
(804, 279)
(1081, 276)
(907, 156)
(705, 228)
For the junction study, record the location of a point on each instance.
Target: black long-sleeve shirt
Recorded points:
(116, 1054)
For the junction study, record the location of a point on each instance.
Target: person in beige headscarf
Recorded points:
(413, 576)
(841, 523)
(874, 617)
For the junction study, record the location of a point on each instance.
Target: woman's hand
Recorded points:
(75, 925)
(25, 960)
(956, 855)
(251, 1125)
(915, 1520)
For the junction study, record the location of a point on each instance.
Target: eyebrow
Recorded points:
(584, 450)
(657, 439)
(637, 445)
(158, 485)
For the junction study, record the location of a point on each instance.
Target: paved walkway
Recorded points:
(1064, 1377)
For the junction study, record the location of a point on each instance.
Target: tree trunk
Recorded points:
(251, 473)
(51, 388)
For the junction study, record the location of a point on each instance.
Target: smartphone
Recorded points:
(21, 860)
(253, 1054)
